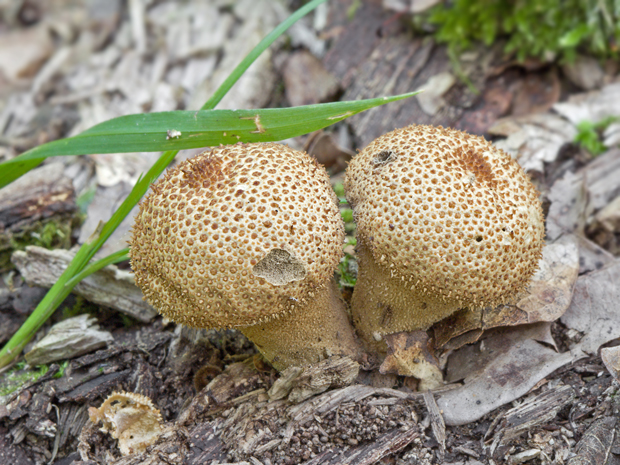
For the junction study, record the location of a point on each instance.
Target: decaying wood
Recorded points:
(355, 424)
(300, 384)
(69, 339)
(387, 444)
(40, 194)
(437, 423)
(110, 287)
(535, 411)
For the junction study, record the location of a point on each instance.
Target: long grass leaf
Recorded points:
(178, 130)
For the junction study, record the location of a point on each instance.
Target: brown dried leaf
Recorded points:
(499, 369)
(568, 199)
(537, 93)
(594, 308)
(411, 354)
(592, 256)
(547, 299)
(460, 323)
(327, 151)
(585, 72)
(307, 81)
(23, 52)
(550, 291)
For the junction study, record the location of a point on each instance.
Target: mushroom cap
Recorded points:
(237, 236)
(448, 214)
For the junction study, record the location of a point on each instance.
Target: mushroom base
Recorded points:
(382, 304)
(308, 335)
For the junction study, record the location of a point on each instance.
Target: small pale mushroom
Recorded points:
(444, 221)
(131, 418)
(248, 236)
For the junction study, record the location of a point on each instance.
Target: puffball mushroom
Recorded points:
(445, 221)
(247, 236)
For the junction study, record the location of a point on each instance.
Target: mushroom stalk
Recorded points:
(327, 331)
(382, 304)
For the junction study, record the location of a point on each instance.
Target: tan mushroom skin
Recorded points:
(444, 221)
(247, 236)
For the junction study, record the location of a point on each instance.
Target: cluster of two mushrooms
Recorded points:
(249, 236)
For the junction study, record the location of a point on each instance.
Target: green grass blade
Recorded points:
(178, 130)
(111, 259)
(255, 53)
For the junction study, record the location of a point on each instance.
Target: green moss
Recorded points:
(347, 215)
(18, 376)
(590, 135)
(339, 189)
(347, 268)
(61, 370)
(531, 28)
(54, 233)
(80, 307)
(355, 5)
(347, 275)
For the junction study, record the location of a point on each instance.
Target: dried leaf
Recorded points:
(307, 81)
(602, 176)
(536, 93)
(497, 370)
(609, 217)
(591, 106)
(595, 445)
(327, 151)
(23, 51)
(463, 322)
(591, 256)
(538, 140)
(611, 359)
(568, 199)
(549, 293)
(431, 100)
(594, 308)
(584, 72)
(548, 296)
(411, 354)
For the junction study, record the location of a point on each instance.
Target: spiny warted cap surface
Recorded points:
(238, 235)
(450, 214)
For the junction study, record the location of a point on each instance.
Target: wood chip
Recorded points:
(437, 424)
(533, 412)
(110, 286)
(68, 339)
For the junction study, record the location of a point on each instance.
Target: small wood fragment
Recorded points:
(388, 444)
(534, 411)
(68, 339)
(437, 423)
(110, 287)
(333, 372)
